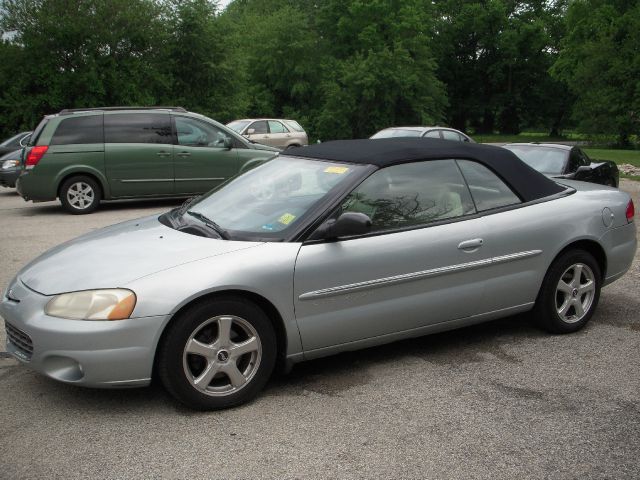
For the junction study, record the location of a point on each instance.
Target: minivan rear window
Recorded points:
(36, 133)
(138, 128)
(76, 130)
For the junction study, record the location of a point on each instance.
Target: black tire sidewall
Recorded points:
(170, 369)
(545, 311)
(96, 197)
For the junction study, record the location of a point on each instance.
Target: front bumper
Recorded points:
(88, 353)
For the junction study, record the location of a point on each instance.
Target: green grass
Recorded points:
(619, 156)
(522, 138)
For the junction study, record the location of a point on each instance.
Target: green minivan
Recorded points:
(83, 156)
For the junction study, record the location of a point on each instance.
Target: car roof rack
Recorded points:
(98, 109)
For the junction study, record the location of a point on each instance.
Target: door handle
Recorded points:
(266, 136)
(471, 245)
(184, 154)
(162, 153)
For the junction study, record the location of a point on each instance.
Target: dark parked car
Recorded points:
(10, 168)
(14, 143)
(563, 161)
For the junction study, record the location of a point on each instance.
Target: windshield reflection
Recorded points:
(274, 197)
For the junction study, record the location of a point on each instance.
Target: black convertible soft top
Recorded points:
(384, 152)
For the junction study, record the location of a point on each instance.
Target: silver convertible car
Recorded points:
(327, 248)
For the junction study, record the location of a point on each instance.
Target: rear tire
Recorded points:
(570, 293)
(218, 354)
(80, 195)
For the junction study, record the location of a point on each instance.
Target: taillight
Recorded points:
(631, 211)
(35, 154)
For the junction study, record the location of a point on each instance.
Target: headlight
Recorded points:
(112, 304)
(7, 164)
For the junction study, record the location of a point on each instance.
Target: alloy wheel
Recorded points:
(222, 355)
(80, 195)
(575, 293)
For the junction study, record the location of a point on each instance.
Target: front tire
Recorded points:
(570, 293)
(218, 354)
(80, 195)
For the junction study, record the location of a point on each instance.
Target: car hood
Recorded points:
(116, 255)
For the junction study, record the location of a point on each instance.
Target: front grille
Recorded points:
(20, 340)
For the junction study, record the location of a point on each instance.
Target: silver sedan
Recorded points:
(333, 247)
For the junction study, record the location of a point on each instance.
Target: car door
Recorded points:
(278, 134)
(421, 265)
(139, 153)
(202, 156)
(258, 132)
(515, 237)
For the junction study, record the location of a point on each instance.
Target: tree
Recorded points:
(379, 70)
(600, 63)
(199, 67)
(79, 54)
(494, 57)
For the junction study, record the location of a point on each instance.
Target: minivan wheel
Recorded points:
(80, 195)
(217, 354)
(570, 293)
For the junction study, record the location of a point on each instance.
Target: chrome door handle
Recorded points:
(184, 154)
(163, 154)
(471, 245)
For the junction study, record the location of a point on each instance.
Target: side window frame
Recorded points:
(176, 138)
(499, 178)
(71, 119)
(258, 133)
(436, 130)
(284, 127)
(172, 133)
(426, 224)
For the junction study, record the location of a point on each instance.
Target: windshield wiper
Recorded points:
(210, 223)
(186, 204)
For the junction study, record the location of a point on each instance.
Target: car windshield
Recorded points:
(544, 159)
(273, 198)
(238, 125)
(397, 132)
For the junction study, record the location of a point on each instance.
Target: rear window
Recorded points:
(294, 125)
(76, 130)
(37, 132)
(138, 128)
(488, 191)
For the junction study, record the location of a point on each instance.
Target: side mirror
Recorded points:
(346, 225)
(227, 142)
(250, 131)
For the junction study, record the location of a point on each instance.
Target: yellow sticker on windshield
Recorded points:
(338, 170)
(286, 219)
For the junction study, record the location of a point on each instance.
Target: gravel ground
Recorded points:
(498, 400)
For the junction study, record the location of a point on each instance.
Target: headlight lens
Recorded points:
(111, 304)
(7, 164)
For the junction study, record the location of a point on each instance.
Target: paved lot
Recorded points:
(499, 400)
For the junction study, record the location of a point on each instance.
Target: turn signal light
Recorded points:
(631, 211)
(35, 154)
